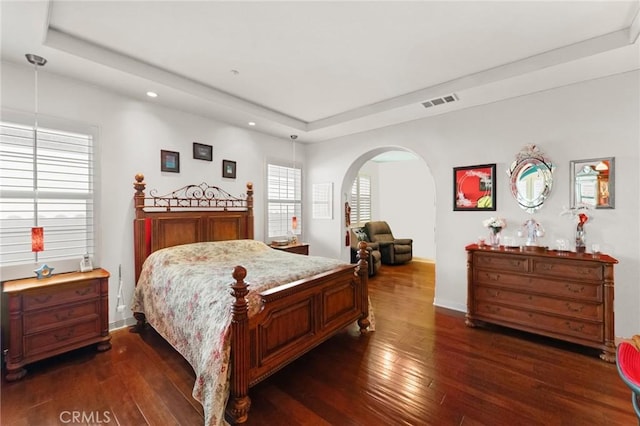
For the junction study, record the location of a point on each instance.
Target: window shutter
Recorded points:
(48, 184)
(284, 194)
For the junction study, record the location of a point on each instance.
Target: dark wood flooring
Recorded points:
(422, 366)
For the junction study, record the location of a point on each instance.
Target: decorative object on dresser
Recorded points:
(474, 188)
(531, 176)
(581, 217)
(49, 317)
(495, 226)
(566, 296)
(297, 248)
(533, 230)
(592, 183)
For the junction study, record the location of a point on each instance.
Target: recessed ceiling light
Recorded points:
(152, 94)
(252, 123)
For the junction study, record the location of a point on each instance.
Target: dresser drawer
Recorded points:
(60, 337)
(61, 294)
(39, 320)
(501, 262)
(552, 325)
(587, 291)
(553, 305)
(573, 270)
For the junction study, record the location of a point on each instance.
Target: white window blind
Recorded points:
(284, 200)
(49, 183)
(361, 200)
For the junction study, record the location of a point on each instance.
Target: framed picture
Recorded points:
(474, 188)
(592, 183)
(169, 161)
(228, 169)
(202, 152)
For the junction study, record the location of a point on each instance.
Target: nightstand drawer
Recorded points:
(66, 293)
(47, 340)
(36, 321)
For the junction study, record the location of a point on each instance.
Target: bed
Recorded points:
(205, 236)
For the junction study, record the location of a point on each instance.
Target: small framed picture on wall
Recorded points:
(202, 152)
(169, 161)
(228, 169)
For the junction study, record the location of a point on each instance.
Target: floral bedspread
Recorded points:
(184, 292)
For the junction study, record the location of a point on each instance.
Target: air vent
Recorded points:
(440, 101)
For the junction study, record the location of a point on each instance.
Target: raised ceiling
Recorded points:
(324, 69)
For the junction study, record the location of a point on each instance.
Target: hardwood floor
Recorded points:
(422, 366)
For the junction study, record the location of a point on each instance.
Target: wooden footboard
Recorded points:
(294, 318)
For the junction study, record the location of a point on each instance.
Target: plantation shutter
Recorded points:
(284, 196)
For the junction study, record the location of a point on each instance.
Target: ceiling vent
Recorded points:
(440, 101)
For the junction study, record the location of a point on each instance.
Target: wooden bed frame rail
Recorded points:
(294, 317)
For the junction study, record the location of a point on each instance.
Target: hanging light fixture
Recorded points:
(37, 232)
(294, 219)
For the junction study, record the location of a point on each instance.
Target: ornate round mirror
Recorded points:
(531, 178)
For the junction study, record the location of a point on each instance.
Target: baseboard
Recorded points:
(449, 305)
(422, 259)
(127, 322)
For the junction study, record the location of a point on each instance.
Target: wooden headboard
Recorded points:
(193, 213)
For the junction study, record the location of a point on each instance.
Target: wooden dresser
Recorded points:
(55, 315)
(564, 295)
(297, 248)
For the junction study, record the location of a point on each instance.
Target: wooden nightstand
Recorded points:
(298, 248)
(54, 315)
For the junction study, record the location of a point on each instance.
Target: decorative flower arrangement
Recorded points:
(495, 224)
(579, 213)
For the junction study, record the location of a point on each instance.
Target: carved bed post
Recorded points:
(363, 275)
(250, 210)
(138, 225)
(239, 401)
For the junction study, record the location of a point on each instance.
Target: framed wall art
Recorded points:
(474, 188)
(202, 152)
(228, 169)
(592, 183)
(169, 161)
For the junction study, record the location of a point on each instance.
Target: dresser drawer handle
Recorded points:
(83, 291)
(546, 266)
(493, 309)
(573, 309)
(574, 328)
(43, 299)
(493, 277)
(65, 336)
(573, 289)
(492, 293)
(60, 316)
(516, 263)
(584, 271)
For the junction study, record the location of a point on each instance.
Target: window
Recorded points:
(284, 200)
(361, 200)
(46, 180)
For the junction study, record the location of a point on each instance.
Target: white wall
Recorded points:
(407, 202)
(586, 120)
(598, 118)
(131, 135)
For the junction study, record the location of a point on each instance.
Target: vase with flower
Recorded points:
(495, 226)
(581, 236)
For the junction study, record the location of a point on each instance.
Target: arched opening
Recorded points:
(402, 193)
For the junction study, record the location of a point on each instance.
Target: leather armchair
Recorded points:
(374, 259)
(393, 250)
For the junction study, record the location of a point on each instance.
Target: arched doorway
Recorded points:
(402, 193)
